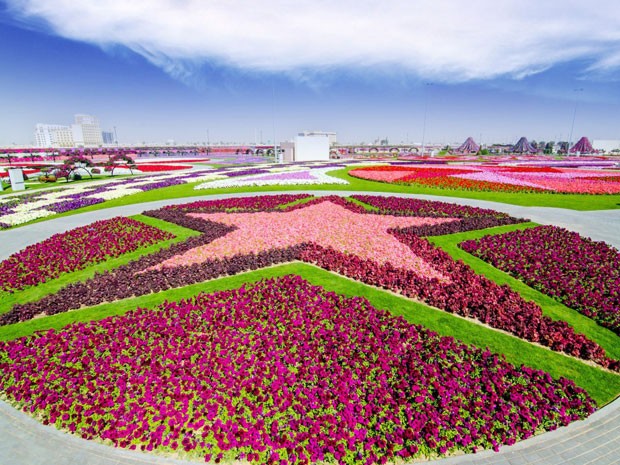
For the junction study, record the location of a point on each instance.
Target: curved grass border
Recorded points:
(602, 385)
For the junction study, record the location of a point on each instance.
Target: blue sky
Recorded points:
(185, 69)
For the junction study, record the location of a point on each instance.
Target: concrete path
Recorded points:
(24, 441)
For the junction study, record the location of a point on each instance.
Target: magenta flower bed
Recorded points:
(280, 372)
(258, 203)
(469, 218)
(453, 287)
(580, 273)
(75, 250)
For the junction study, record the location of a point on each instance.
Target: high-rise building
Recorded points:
(53, 135)
(108, 137)
(86, 131)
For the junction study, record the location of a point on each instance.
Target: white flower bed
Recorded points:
(25, 216)
(206, 177)
(115, 193)
(316, 176)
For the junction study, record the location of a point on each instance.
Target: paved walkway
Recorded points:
(596, 440)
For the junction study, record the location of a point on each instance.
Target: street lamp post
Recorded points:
(428, 84)
(572, 126)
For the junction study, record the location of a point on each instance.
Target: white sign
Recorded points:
(16, 175)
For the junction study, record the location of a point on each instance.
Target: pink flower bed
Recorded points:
(481, 177)
(280, 372)
(364, 235)
(75, 250)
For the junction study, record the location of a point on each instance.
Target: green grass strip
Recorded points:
(555, 310)
(602, 385)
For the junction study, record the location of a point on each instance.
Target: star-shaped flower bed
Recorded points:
(282, 371)
(383, 250)
(327, 224)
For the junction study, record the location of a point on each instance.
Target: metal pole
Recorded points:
(572, 126)
(273, 121)
(425, 114)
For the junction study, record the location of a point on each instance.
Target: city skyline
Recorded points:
(225, 71)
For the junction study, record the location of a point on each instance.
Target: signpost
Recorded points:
(16, 175)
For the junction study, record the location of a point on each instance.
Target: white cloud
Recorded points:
(449, 40)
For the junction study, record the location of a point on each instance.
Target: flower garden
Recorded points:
(290, 328)
(496, 178)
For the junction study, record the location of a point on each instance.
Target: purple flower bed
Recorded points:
(68, 205)
(76, 249)
(580, 273)
(245, 172)
(160, 184)
(280, 372)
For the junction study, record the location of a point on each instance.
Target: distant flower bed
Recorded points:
(47, 203)
(75, 250)
(491, 178)
(581, 273)
(280, 372)
(156, 167)
(257, 178)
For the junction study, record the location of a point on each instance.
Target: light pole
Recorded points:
(426, 98)
(572, 125)
(273, 121)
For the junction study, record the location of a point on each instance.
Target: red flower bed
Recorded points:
(447, 182)
(527, 169)
(76, 249)
(581, 273)
(280, 372)
(153, 168)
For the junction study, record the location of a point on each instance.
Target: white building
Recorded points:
(86, 131)
(53, 135)
(306, 147)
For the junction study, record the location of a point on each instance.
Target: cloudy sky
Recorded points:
(246, 70)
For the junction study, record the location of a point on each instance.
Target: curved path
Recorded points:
(24, 441)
